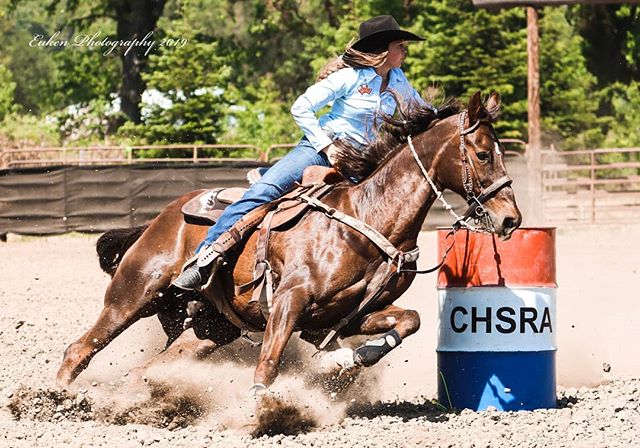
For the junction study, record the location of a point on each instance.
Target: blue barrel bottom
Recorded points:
(508, 381)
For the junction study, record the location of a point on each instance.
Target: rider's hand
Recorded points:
(331, 152)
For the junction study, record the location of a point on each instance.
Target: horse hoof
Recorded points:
(257, 390)
(63, 382)
(194, 307)
(337, 361)
(64, 377)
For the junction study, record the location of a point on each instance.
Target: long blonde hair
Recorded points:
(353, 58)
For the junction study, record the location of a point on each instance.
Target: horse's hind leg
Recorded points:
(396, 324)
(172, 317)
(131, 295)
(216, 330)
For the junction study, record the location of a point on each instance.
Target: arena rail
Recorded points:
(269, 153)
(117, 155)
(591, 186)
(106, 155)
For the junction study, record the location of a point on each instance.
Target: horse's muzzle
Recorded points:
(508, 225)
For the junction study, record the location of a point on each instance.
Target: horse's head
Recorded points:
(471, 163)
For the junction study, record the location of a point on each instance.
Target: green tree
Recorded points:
(468, 50)
(7, 91)
(246, 61)
(259, 117)
(611, 36)
(191, 79)
(52, 77)
(132, 19)
(567, 89)
(86, 74)
(624, 127)
(33, 69)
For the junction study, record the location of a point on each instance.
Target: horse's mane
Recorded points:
(356, 164)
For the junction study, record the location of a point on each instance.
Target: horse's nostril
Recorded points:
(509, 223)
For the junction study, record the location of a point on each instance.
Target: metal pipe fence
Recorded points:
(119, 155)
(591, 186)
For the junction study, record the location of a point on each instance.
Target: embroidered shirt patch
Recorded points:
(364, 89)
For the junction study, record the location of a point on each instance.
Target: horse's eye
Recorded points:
(483, 156)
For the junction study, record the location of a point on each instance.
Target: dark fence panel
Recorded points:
(33, 204)
(95, 199)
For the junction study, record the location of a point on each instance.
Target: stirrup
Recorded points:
(215, 265)
(200, 261)
(211, 255)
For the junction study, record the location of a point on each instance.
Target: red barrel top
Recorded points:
(479, 259)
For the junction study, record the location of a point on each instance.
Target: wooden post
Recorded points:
(592, 186)
(534, 157)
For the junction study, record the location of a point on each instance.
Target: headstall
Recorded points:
(476, 211)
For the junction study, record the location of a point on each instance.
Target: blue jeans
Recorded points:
(278, 180)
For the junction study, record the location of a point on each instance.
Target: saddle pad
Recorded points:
(206, 208)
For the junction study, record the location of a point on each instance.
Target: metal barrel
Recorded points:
(497, 320)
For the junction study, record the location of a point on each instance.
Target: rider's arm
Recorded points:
(315, 98)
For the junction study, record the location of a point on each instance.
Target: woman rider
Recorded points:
(358, 83)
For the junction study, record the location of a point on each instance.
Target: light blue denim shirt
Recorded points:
(357, 105)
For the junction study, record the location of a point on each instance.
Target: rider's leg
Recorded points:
(256, 174)
(279, 179)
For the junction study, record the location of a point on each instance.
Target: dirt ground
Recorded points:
(51, 291)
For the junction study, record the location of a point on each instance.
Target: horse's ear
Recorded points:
(474, 107)
(493, 106)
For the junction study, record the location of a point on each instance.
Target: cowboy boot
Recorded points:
(198, 270)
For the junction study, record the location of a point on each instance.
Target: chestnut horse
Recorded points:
(323, 269)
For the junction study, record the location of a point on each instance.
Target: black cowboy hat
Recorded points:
(379, 32)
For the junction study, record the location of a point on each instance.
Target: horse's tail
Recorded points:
(112, 245)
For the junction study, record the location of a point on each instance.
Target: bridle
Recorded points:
(476, 210)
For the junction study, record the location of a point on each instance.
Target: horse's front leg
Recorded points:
(289, 303)
(394, 322)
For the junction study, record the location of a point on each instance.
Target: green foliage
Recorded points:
(33, 68)
(88, 123)
(259, 118)
(191, 80)
(246, 61)
(566, 86)
(7, 91)
(468, 50)
(611, 36)
(188, 81)
(631, 44)
(86, 75)
(19, 130)
(624, 127)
